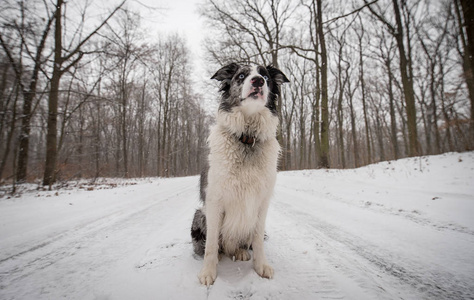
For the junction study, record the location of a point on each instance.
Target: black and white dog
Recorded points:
(238, 183)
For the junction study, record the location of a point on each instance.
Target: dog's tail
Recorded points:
(198, 232)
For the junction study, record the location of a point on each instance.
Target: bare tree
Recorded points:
(324, 155)
(62, 64)
(341, 82)
(399, 32)
(387, 57)
(9, 94)
(127, 51)
(431, 45)
(18, 56)
(465, 14)
(350, 91)
(360, 38)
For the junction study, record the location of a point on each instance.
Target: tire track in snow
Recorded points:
(299, 259)
(413, 216)
(387, 274)
(93, 224)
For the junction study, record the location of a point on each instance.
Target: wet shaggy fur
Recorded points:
(236, 187)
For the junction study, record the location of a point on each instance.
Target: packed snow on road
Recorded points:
(393, 230)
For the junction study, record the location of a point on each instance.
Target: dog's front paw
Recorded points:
(208, 275)
(264, 270)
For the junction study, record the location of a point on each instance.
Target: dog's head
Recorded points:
(249, 86)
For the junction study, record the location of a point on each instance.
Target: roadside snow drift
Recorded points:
(394, 230)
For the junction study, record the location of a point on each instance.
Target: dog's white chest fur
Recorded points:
(242, 177)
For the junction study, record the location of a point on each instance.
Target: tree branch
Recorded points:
(381, 18)
(351, 13)
(78, 47)
(12, 62)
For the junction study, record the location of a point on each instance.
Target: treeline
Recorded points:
(370, 80)
(85, 93)
(81, 100)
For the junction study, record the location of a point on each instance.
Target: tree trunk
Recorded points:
(316, 114)
(123, 124)
(118, 134)
(24, 138)
(97, 138)
(364, 102)
(302, 125)
(393, 119)
(324, 154)
(380, 135)
(354, 134)
(141, 133)
(51, 136)
(164, 141)
(340, 112)
(407, 83)
(9, 137)
(287, 147)
(468, 58)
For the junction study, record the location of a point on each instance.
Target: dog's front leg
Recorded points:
(214, 215)
(260, 263)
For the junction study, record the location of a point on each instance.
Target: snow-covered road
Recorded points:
(394, 230)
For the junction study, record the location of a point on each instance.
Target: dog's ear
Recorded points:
(278, 78)
(277, 75)
(226, 73)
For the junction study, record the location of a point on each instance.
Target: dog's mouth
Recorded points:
(256, 93)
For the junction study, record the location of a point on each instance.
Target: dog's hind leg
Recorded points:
(198, 232)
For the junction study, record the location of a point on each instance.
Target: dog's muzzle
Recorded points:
(248, 140)
(257, 81)
(256, 90)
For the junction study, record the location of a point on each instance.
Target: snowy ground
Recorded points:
(394, 230)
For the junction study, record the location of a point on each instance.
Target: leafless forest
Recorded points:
(85, 92)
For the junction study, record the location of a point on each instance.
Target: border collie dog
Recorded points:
(237, 184)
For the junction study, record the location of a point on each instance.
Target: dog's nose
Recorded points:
(257, 81)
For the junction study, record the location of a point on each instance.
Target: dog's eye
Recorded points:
(241, 76)
(265, 77)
